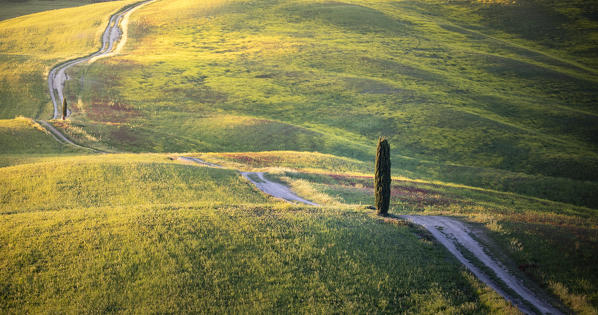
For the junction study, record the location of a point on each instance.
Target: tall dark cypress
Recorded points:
(382, 176)
(64, 111)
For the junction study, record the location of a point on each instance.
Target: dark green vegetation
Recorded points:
(382, 177)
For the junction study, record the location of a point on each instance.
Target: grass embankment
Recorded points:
(31, 44)
(332, 77)
(553, 243)
(86, 233)
(25, 136)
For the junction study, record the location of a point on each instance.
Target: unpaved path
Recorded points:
(198, 161)
(60, 137)
(274, 189)
(450, 232)
(112, 34)
(258, 179)
(58, 76)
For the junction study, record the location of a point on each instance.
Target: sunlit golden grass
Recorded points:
(219, 259)
(116, 180)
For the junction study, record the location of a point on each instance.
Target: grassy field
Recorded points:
(141, 222)
(462, 97)
(227, 259)
(115, 180)
(24, 136)
(144, 233)
(490, 117)
(552, 188)
(456, 96)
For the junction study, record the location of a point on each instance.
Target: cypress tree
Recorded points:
(382, 177)
(64, 112)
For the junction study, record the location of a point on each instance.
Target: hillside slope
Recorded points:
(332, 77)
(144, 233)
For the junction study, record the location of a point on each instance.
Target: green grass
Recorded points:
(227, 259)
(557, 27)
(11, 9)
(310, 76)
(115, 180)
(553, 188)
(559, 240)
(25, 136)
(462, 98)
(488, 118)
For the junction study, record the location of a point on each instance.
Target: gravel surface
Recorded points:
(450, 232)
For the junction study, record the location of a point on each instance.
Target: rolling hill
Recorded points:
(489, 106)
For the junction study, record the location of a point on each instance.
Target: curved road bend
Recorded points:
(267, 186)
(112, 34)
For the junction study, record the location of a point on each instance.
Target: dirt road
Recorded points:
(262, 183)
(274, 189)
(452, 234)
(60, 137)
(112, 34)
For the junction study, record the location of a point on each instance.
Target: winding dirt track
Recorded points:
(262, 183)
(274, 189)
(112, 34)
(450, 232)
